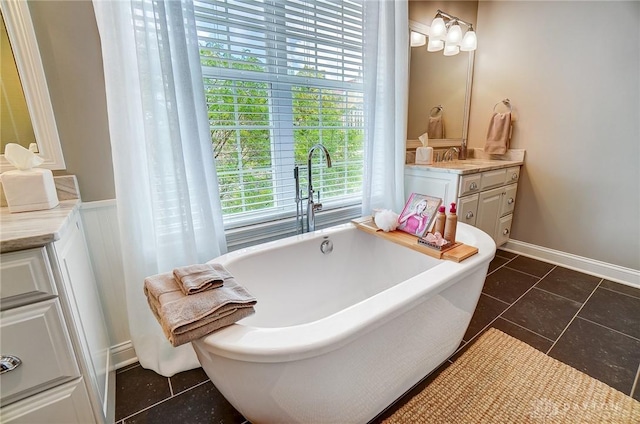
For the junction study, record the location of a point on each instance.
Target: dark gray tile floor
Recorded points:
(588, 323)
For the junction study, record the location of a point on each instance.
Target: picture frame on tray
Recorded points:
(419, 214)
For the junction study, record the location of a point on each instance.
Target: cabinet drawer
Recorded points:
(37, 336)
(492, 179)
(68, 403)
(512, 175)
(26, 278)
(468, 209)
(469, 184)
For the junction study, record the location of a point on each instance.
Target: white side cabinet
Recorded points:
(51, 320)
(485, 199)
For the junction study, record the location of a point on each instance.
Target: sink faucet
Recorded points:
(449, 153)
(312, 207)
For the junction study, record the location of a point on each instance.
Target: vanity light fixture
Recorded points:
(445, 34)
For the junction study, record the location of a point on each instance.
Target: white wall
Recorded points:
(572, 72)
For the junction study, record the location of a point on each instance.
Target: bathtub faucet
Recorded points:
(312, 207)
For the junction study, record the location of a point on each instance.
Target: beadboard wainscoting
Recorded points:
(100, 220)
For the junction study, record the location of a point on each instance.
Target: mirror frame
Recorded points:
(24, 45)
(447, 142)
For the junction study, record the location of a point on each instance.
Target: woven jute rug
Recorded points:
(502, 380)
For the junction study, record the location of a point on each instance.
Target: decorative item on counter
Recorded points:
(385, 219)
(451, 225)
(27, 188)
(463, 151)
(424, 154)
(418, 214)
(438, 227)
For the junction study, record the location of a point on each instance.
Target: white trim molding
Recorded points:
(618, 274)
(123, 354)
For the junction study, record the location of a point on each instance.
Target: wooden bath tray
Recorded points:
(457, 253)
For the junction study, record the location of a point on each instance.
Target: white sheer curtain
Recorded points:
(386, 84)
(166, 188)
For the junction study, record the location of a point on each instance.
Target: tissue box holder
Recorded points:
(30, 190)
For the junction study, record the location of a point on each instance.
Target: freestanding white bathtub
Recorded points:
(337, 337)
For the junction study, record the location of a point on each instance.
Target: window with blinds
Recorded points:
(279, 77)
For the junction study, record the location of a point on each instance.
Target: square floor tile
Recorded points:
(529, 337)
(614, 310)
(496, 263)
(530, 266)
(621, 288)
(543, 313)
(138, 388)
(487, 310)
(504, 254)
(200, 405)
(602, 353)
(570, 284)
(507, 284)
(187, 379)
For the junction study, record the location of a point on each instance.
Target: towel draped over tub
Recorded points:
(184, 318)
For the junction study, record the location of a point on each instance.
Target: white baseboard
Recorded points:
(123, 354)
(622, 275)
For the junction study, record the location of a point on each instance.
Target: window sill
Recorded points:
(250, 235)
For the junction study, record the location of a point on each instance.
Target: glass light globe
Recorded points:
(469, 42)
(435, 45)
(418, 39)
(454, 36)
(451, 49)
(438, 30)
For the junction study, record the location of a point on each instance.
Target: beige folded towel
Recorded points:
(185, 318)
(200, 277)
(498, 134)
(435, 129)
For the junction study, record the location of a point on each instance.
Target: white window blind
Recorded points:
(279, 77)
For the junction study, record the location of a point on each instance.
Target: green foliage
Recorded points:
(241, 131)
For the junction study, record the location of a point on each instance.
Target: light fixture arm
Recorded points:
(452, 18)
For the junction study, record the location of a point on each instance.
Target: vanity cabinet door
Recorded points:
(468, 209)
(489, 203)
(508, 199)
(504, 230)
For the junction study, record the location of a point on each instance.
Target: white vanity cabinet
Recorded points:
(485, 198)
(51, 319)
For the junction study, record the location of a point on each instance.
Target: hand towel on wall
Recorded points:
(435, 128)
(498, 134)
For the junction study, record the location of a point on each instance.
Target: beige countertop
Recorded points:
(479, 162)
(25, 230)
(469, 166)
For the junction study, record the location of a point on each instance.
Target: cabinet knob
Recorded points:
(9, 363)
(473, 186)
(510, 201)
(505, 231)
(514, 176)
(469, 215)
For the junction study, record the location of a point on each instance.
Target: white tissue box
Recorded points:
(424, 155)
(30, 190)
